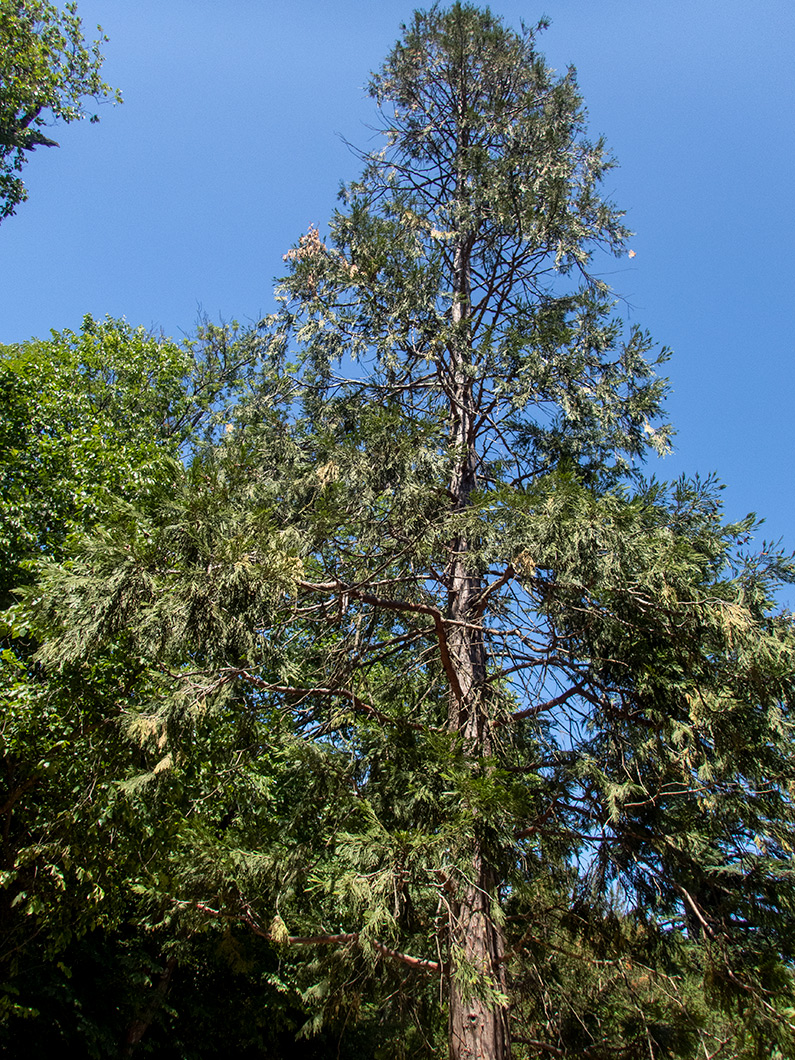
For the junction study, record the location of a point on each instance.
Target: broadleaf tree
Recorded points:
(47, 72)
(507, 693)
(90, 419)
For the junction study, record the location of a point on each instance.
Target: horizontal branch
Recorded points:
(322, 940)
(320, 690)
(536, 1044)
(353, 936)
(249, 919)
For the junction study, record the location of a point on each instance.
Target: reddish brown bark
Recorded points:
(478, 1019)
(478, 1023)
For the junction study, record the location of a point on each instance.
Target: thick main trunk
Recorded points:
(478, 1020)
(478, 1017)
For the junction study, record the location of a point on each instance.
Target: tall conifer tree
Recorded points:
(460, 277)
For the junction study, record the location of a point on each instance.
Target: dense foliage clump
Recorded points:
(47, 71)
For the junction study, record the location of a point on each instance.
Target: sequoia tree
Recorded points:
(495, 682)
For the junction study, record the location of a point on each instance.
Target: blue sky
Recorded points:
(229, 145)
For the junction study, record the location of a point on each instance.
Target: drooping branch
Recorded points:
(356, 702)
(696, 910)
(398, 605)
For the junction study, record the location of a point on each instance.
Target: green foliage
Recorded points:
(47, 71)
(92, 424)
(409, 672)
(100, 414)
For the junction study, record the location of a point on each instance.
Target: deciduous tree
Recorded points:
(88, 421)
(47, 72)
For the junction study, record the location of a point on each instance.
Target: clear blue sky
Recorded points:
(228, 146)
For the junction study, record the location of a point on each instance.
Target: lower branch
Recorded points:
(344, 693)
(247, 917)
(353, 936)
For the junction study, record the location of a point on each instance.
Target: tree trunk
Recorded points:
(478, 1020)
(141, 1024)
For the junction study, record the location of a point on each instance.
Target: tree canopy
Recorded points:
(47, 72)
(486, 736)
